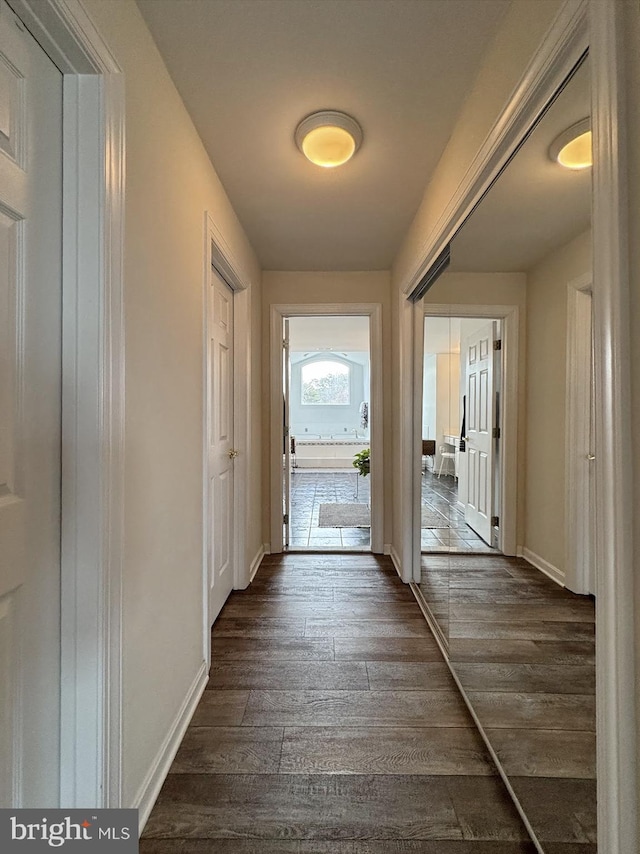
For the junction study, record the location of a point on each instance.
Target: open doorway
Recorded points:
(327, 402)
(460, 485)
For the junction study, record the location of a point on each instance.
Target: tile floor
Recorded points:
(331, 725)
(309, 489)
(441, 494)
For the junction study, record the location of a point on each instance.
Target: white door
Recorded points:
(221, 453)
(477, 352)
(30, 413)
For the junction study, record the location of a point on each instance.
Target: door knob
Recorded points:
(233, 453)
(590, 457)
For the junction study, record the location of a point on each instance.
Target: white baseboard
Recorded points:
(395, 557)
(151, 785)
(267, 548)
(386, 549)
(543, 565)
(255, 563)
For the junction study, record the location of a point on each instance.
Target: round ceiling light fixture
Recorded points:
(328, 138)
(572, 149)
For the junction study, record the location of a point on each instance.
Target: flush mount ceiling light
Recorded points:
(572, 149)
(328, 138)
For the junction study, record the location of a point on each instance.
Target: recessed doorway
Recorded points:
(326, 481)
(460, 484)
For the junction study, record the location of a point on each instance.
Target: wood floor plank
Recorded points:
(356, 708)
(538, 711)
(287, 606)
(352, 628)
(410, 676)
(327, 807)
(397, 750)
(523, 630)
(271, 649)
(522, 651)
(258, 628)
(484, 808)
(545, 752)
(387, 649)
(229, 750)
(528, 678)
(220, 708)
(288, 675)
(363, 846)
(559, 810)
(574, 612)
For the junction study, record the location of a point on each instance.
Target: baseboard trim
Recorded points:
(255, 563)
(395, 557)
(267, 548)
(386, 549)
(150, 788)
(543, 565)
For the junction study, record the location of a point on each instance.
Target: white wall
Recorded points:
(546, 397)
(170, 185)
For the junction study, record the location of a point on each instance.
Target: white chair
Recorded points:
(446, 454)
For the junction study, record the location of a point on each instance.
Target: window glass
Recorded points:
(326, 383)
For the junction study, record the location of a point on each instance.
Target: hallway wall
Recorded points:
(546, 397)
(326, 287)
(170, 185)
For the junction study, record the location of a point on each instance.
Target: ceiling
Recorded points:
(535, 206)
(329, 333)
(249, 71)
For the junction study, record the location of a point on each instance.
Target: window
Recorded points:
(326, 383)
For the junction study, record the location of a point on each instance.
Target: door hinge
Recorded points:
(497, 344)
(495, 521)
(285, 519)
(495, 433)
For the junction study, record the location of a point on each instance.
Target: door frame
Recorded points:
(596, 25)
(218, 255)
(374, 312)
(577, 430)
(92, 513)
(509, 316)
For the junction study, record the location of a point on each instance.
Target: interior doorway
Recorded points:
(461, 455)
(326, 433)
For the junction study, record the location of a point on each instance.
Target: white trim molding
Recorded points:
(278, 313)
(579, 479)
(255, 563)
(616, 663)
(92, 400)
(148, 792)
(544, 566)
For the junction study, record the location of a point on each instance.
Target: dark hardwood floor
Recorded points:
(331, 725)
(523, 649)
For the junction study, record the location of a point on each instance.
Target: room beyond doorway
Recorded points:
(327, 398)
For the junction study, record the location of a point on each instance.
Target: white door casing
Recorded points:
(580, 440)
(286, 382)
(374, 312)
(220, 450)
(30, 417)
(477, 351)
